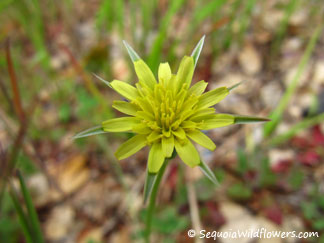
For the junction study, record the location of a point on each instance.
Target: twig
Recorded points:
(3, 89)
(88, 83)
(13, 80)
(194, 211)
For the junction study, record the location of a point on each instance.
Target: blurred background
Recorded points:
(271, 176)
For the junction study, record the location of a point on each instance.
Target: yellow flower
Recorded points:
(167, 113)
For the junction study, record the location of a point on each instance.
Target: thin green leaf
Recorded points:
(149, 182)
(155, 56)
(301, 126)
(89, 132)
(205, 10)
(208, 172)
(101, 79)
(277, 113)
(133, 55)
(249, 119)
(21, 216)
(32, 215)
(196, 52)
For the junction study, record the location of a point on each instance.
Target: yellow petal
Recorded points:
(202, 113)
(164, 73)
(198, 88)
(141, 129)
(185, 72)
(125, 107)
(154, 136)
(156, 158)
(168, 146)
(144, 74)
(217, 120)
(212, 97)
(187, 152)
(188, 125)
(121, 124)
(180, 133)
(131, 146)
(124, 89)
(201, 139)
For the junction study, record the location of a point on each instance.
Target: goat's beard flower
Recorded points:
(167, 114)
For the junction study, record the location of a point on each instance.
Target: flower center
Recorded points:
(164, 110)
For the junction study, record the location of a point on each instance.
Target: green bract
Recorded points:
(167, 113)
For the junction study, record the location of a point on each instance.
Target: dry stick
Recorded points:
(88, 83)
(3, 89)
(19, 112)
(18, 143)
(194, 210)
(13, 80)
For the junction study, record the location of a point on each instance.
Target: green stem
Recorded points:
(151, 206)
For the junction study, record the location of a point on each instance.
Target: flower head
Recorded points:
(167, 113)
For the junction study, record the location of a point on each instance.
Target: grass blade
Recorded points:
(156, 52)
(296, 128)
(32, 215)
(277, 114)
(206, 10)
(21, 216)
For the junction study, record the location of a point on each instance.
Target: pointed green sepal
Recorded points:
(196, 52)
(101, 79)
(89, 132)
(249, 119)
(235, 86)
(208, 172)
(133, 55)
(149, 182)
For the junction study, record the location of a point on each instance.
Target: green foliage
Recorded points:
(295, 129)
(168, 221)
(239, 192)
(312, 209)
(203, 11)
(296, 178)
(205, 190)
(156, 51)
(267, 177)
(276, 115)
(29, 14)
(242, 165)
(86, 104)
(27, 217)
(109, 13)
(9, 225)
(25, 164)
(64, 112)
